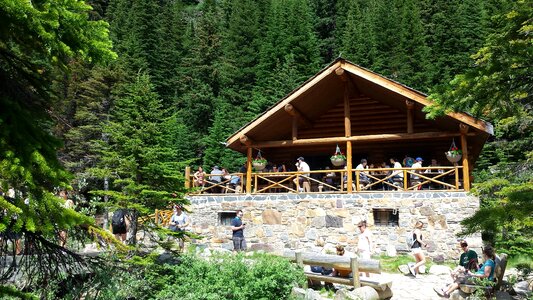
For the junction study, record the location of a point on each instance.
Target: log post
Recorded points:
(156, 216)
(354, 265)
(348, 133)
(464, 148)
(405, 180)
(294, 128)
(249, 170)
(187, 177)
(410, 117)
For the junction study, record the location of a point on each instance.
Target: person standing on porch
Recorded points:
(237, 227)
(302, 166)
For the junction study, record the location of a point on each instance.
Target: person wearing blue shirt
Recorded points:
(486, 272)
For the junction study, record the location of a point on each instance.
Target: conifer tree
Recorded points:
(138, 158)
(39, 40)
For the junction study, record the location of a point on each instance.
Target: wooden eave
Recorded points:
(375, 100)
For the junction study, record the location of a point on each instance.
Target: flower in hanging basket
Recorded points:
(454, 152)
(259, 161)
(338, 156)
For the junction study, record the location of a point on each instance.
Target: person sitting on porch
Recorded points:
(363, 176)
(303, 181)
(216, 178)
(199, 177)
(434, 164)
(397, 176)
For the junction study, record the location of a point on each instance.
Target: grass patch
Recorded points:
(390, 264)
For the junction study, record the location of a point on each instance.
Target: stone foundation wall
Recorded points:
(295, 221)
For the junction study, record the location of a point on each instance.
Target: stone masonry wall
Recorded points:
(295, 221)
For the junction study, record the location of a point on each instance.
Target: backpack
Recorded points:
(118, 218)
(409, 240)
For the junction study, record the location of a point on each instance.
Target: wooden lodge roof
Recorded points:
(378, 114)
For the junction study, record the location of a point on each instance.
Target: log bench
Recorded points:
(347, 264)
(499, 271)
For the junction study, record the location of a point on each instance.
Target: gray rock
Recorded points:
(362, 293)
(332, 221)
(298, 293)
(318, 222)
(522, 288)
(312, 295)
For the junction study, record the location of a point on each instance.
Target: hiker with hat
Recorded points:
(302, 166)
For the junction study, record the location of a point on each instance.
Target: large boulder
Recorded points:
(523, 288)
(362, 293)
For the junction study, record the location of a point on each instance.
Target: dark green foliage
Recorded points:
(499, 87)
(220, 277)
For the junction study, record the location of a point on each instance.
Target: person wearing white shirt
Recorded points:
(365, 244)
(396, 175)
(302, 166)
(363, 176)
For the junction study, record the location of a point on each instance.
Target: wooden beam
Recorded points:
(249, 170)
(293, 111)
(360, 138)
(410, 116)
(463, 128)
(334, 261)
(245, 140)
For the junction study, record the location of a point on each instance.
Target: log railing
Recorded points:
(335, 181)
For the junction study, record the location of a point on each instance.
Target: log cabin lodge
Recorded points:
(366, 116)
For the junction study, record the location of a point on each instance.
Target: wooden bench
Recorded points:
(343, 263)
(501, 264)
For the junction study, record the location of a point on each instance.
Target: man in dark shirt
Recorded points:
(237, 226)
(467, 261)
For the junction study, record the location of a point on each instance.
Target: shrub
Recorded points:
(236, 277)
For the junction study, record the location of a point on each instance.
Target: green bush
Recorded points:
(232, 277)
(220, 277)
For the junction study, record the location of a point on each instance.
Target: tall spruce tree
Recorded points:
(138, 157)
(499, 88)
(38, 41)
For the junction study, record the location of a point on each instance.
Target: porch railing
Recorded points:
(333, 181)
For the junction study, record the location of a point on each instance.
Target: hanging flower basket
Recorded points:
(338, 159)
(453, 157)
(259, 164)
(454, 154)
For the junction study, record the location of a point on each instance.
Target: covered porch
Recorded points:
(365, 116)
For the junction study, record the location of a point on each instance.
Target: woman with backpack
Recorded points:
(416, 249)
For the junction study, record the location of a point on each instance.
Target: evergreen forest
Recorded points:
(111, 99)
